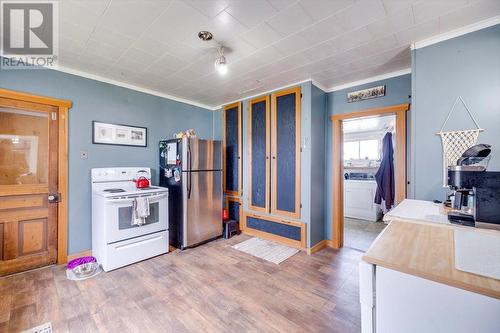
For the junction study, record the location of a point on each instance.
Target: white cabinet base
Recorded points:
(406, 303)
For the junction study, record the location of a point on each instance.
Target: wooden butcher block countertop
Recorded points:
(426, 250)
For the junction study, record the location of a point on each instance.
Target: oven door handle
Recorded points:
(152, 197)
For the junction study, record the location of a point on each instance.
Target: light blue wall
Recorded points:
(94, 100)
(318, 159)
(398, 91)
(469, 66)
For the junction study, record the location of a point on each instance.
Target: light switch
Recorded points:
(84, 154)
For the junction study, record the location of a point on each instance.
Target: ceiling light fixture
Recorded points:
(205, 35)
(220, 62)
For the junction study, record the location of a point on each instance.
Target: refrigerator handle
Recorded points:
(189, 169)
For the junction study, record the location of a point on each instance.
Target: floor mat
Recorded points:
(267, 250)
(44, 328)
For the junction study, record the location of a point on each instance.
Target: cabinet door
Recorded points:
(232, 149)
(259, 146)
(285, 164)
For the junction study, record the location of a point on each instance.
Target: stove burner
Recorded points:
(114, 190)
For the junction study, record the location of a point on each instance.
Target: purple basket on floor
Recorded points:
(80, 261)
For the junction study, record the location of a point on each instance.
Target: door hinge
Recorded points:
(301, 205)
(300, 95)
(54, 116)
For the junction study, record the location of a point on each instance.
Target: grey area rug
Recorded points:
(267, 250)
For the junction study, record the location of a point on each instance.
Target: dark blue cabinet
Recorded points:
(232, 150)
(259, 151)
(285, 151)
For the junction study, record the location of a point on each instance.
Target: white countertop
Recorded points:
(419, 210)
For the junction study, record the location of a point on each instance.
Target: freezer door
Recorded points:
(201, 155)
(203, 206)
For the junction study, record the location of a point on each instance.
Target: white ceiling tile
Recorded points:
(261, 36)
(321, 51)
(478, 11)
(353, 39)
(111, 38)
(428, 9)
(83, 13)
(238, 48)
(395, 6)
(320, 9)
(97, 48)
(323, 30)
(209, 8)
(225, 27)
(379, 45)
(130, 18)
(177, 23)
(292, 44)
(362, 13)
(290, 20)
(251, 13)
(418, 32)
(137, 57)
(93, 64)
(73, 31)
(396, 21)
(282, 4)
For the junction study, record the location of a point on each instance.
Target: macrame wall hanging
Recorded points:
(455, 143)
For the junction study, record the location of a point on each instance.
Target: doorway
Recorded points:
(398, 113)
(362, 146)
(33, 181)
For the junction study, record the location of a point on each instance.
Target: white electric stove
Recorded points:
(115, 241)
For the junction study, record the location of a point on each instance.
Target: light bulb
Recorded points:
(220, 65)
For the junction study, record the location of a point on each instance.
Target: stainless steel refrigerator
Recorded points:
(192, 171)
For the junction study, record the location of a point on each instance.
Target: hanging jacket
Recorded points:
(385, 174)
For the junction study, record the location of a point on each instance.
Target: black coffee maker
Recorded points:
(476, 191)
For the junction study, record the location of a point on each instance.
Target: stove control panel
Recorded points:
(119, 174)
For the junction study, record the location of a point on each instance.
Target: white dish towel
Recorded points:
(140, 211)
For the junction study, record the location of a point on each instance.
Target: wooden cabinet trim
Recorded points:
(266, 98)
(274, 140)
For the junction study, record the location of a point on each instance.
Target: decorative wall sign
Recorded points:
(360, 95)
(116, 134)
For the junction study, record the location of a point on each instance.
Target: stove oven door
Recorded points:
(118, 218)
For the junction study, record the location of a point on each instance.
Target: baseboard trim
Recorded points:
(320, 246)
(79, 255)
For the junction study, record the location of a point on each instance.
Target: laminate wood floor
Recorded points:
(212, 288)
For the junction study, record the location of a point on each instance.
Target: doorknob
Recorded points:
(53, 198)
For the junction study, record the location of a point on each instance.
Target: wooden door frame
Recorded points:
(62, 209)
(338, 166)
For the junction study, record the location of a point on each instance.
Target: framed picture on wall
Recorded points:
(117, 134)
(360, 95)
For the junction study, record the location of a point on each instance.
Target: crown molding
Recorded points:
(370, 79)
(457, 32)
(95, 77)
(319, 85)
(262, 93)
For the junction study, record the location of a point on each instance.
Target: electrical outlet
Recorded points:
(84, 154)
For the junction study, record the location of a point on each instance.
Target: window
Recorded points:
(362, 150)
